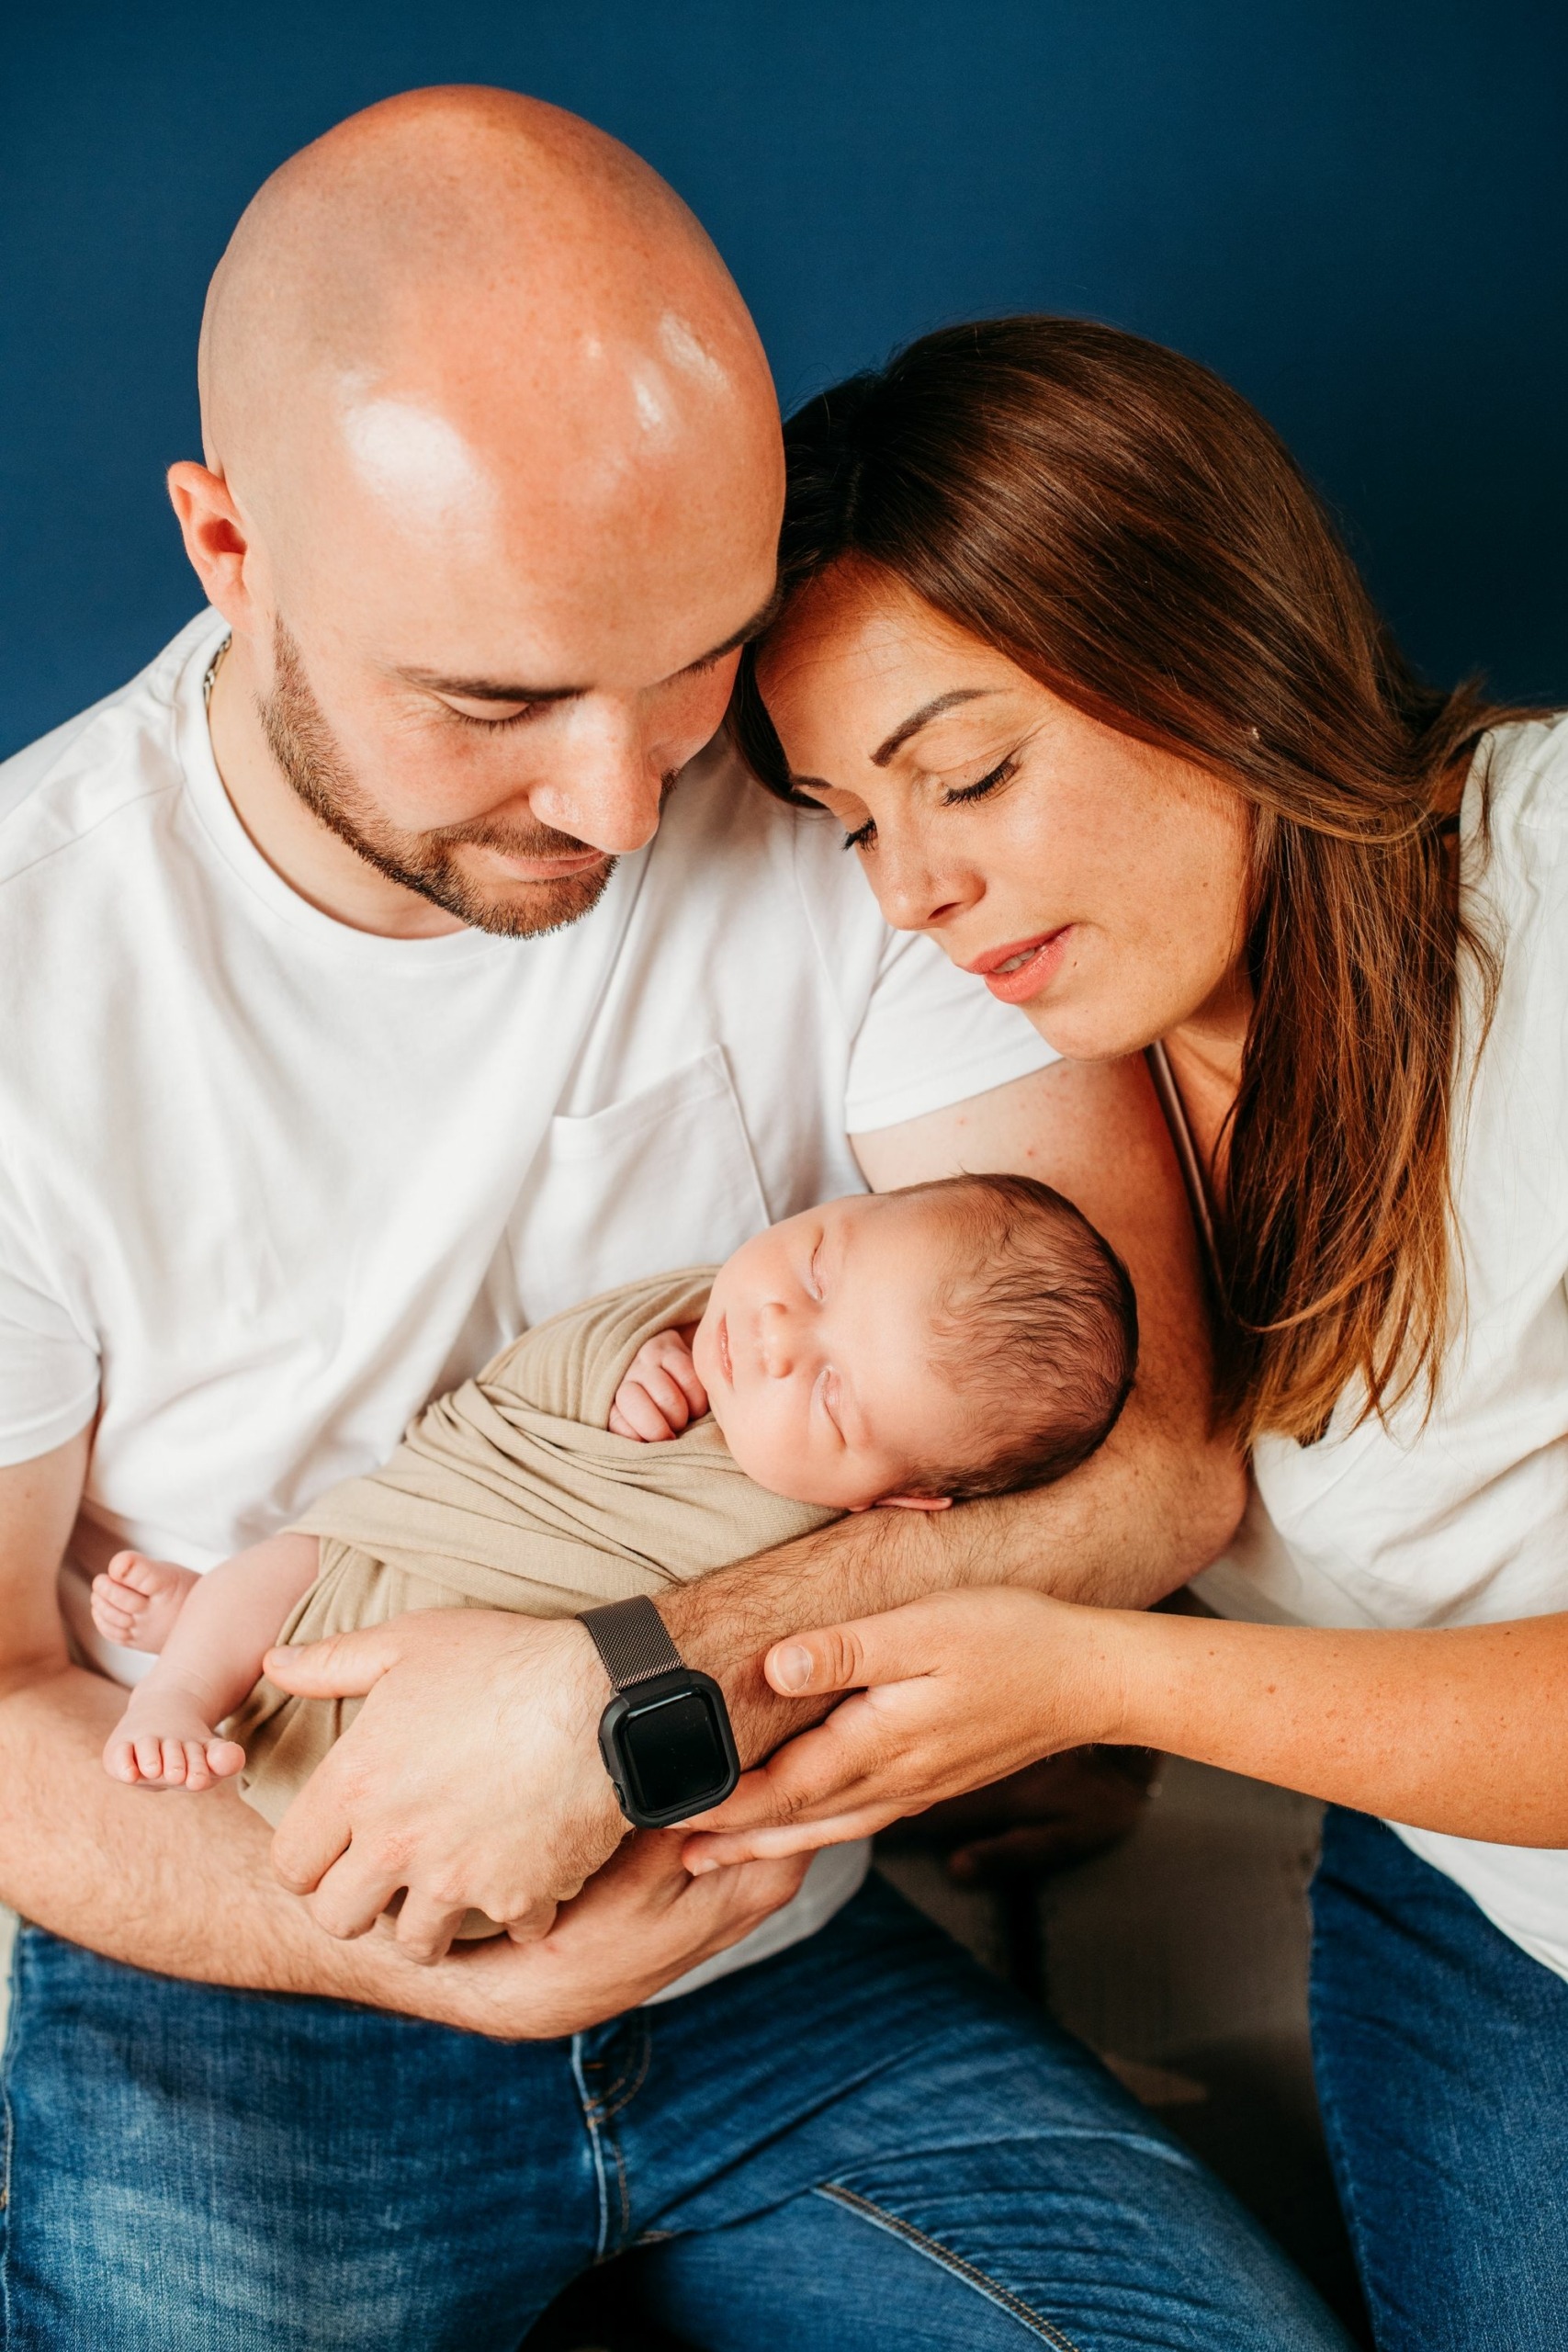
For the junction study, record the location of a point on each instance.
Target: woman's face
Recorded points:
(1095, 881)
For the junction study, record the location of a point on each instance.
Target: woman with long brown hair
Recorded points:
(1073, 655)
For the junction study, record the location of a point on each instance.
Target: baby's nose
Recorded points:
(778, 1341)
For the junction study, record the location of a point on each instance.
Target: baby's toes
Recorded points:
(194, 1770)
(224, 1758)
(148, 1750)
(119, 1761)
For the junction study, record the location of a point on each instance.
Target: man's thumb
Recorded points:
(834, 1658)
(344, 1666)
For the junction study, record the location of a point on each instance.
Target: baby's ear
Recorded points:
(915, 1502)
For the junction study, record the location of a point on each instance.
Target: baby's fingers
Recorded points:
(641, 1415)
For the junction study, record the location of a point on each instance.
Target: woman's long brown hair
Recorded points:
(1130, 532)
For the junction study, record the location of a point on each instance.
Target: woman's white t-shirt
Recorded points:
(1465, 1521)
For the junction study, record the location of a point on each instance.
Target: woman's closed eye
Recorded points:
(864, 836)
(1003, 773)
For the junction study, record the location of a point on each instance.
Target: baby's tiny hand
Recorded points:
(661, 1395)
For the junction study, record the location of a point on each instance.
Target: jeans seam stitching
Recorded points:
(8, 2133)
(591, 2120)
(1045, 2329)
(621, 2094)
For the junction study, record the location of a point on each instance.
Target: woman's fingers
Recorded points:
(708, 1850)
(899, 1645)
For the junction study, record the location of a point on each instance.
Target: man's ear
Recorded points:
(914, 1502)
(217, 538)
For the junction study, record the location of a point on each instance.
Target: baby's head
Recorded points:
(952, 1339)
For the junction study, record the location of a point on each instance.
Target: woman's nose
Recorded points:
(911, 894)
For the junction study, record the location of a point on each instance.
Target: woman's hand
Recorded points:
(951, 1692)
(636, 1926)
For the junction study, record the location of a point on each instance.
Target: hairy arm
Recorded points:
(1154, 1505)
(184, 1886)
(1462, 1730)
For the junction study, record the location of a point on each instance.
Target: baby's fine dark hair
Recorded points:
(1037, 1325)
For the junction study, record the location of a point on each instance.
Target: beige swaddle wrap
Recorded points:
(511, 1493)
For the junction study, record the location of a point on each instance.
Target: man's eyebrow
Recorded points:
(923, 716)
(510, 690)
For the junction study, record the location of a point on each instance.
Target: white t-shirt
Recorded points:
(268, 1183)
(1465, 1522)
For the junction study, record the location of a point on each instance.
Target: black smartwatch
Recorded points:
(665, 1736)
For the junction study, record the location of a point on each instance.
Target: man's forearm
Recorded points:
(177, 1883)
(1158, 1502)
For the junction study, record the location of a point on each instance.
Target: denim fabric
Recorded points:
(861, 2143)
(1442, 2067)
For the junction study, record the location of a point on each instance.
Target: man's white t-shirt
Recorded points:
(268, 1183)
(1463, 1520)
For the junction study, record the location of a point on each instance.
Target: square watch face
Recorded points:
(675, 1753)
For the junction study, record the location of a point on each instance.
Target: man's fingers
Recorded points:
(537, 1921)
(424, 1929)
(352, 1895)
(310, 1839)
(344, 1666)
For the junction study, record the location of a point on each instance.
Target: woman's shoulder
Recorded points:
(1520, 782)
(1515, 846)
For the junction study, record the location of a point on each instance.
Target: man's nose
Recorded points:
(603, 788)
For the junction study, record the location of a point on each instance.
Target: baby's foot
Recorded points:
(164, 1741)
(136, 1600)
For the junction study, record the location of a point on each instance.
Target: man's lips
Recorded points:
(1021, 970)
(545, 869)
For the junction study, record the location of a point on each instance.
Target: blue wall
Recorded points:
(1357, 212)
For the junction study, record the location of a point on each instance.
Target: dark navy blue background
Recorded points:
(1357, 212)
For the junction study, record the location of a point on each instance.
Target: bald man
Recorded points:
(385, 968)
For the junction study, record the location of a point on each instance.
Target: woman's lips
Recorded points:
(1016, 973)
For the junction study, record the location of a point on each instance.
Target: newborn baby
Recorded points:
(913, 1349)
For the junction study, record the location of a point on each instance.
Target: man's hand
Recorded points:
(433, 1792)
(639, 1924)
(951, 1692)
(660, 1394)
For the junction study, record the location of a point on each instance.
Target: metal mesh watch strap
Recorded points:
(630, 1637)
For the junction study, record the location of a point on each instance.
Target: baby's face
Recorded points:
(816, 1352)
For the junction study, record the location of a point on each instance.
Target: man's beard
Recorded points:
(311, 757)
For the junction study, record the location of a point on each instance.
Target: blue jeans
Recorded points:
(1442, 2067)
(861, 2143)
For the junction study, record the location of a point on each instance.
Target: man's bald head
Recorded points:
(487, 408)
(467, 313)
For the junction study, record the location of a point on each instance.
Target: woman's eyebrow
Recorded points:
(923, 716)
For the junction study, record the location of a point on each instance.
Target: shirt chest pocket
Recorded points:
(664, 1178)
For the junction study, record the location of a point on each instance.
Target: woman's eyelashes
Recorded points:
(864, 837)
(1002, 774)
